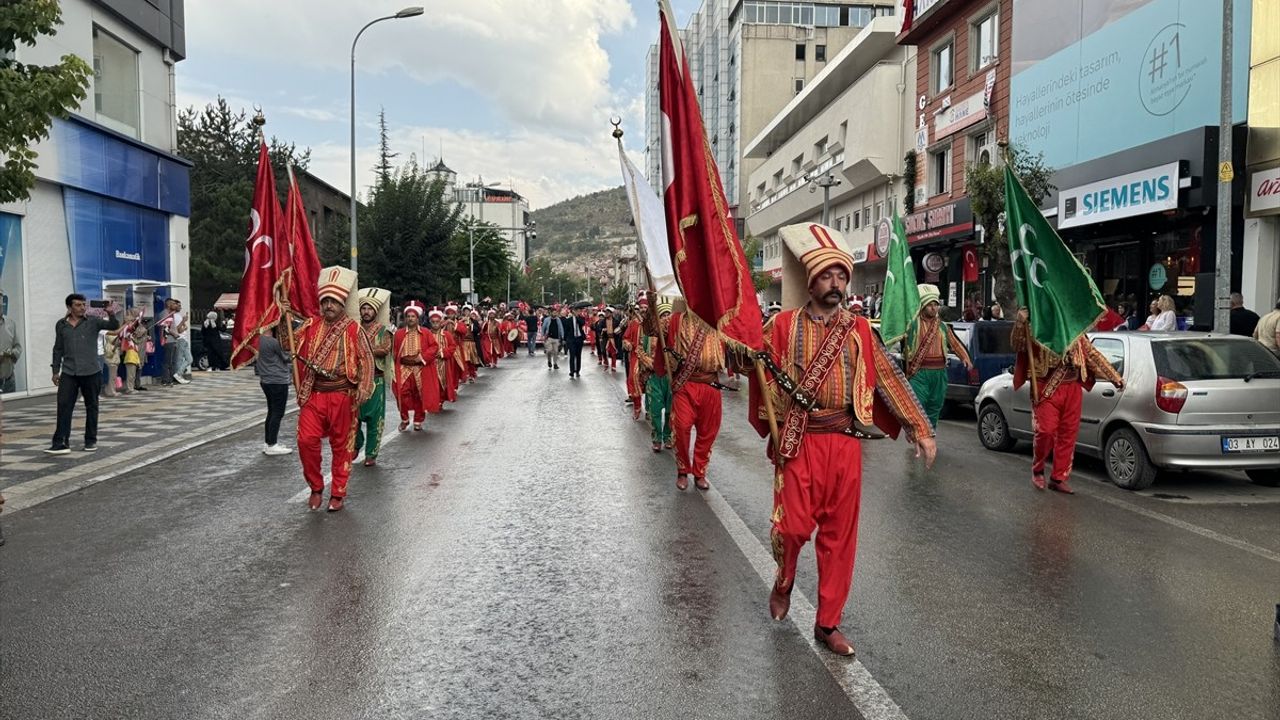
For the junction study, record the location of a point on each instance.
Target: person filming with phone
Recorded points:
(75, 367)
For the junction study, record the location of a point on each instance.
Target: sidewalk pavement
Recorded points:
(133, 431)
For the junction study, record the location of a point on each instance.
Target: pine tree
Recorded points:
(385, 156)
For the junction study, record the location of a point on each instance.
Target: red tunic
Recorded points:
(415, 372)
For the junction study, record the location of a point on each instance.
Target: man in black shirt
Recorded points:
(76, 370)
(531, 323)
(1243, 320)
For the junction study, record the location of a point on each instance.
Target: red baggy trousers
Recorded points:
(820, 488)
(1057, 426)
(695, 406)
(409, 401)
(327, 415)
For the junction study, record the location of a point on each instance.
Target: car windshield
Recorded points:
(1212, 359)
(994, 339)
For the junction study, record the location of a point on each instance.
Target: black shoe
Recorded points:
(58, 450)
(91, 447)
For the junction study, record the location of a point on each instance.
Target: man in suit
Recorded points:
(575, 334)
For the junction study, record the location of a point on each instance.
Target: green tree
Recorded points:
(751, 247)
(492, 259)
(406, 234)
(385, 156)
(31, 95)
(985, 186)
(223, 145)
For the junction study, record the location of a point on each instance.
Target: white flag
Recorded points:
(651, 227)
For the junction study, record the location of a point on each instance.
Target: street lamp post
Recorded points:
(408, 12)
(826, 182)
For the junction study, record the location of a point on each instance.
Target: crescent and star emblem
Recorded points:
(256, 224)
(1034, 264)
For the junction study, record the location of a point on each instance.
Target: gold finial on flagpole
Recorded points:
(616, 122)
(259, 120)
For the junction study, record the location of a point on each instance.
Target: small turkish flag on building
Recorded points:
(970, 264)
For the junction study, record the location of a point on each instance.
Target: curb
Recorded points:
(34, 492)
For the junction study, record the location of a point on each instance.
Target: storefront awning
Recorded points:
(227, 301)
(138, 284)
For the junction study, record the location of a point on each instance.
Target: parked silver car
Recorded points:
(1191, 401)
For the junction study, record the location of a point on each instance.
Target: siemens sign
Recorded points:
(1138, 193)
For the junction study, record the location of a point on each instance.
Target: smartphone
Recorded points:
(100, 303)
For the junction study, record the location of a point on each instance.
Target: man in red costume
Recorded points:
(631, 343)
(490, 340)
(697, 359)
(447, 368)
(416, 384)
(1056, 394)
(465, 331)
(839, 376)
(335, 370)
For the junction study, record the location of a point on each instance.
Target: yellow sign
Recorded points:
(1225, 173)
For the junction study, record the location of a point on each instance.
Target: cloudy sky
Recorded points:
(517, 91)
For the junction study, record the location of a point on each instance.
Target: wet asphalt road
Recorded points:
(528, 557)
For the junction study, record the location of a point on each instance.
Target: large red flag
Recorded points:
(304, 260)
(262, 259)
(710, 265)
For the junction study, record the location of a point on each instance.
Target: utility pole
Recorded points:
(826, 182)
(1222, 261)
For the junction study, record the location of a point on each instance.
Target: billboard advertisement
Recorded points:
(1094, 77)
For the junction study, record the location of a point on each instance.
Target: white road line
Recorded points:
(1201, 531)
(328, 477)
(1168, 520)
(868, 696)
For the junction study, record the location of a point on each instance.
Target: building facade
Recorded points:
(749, 59)
(108, 215)
(960, 111)
(507, 209)
(1124, 105)
(1260, 263)
(852, 124)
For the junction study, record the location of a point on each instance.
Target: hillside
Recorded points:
(583, 232)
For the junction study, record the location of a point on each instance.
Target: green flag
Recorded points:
(901, 296)
(1055, 288)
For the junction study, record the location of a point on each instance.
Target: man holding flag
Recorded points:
(1058, 307)
(843, 379)
(924, 352)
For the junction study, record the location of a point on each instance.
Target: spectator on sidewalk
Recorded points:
(272, 369)
(76, 371)
(1243, 321)
(1267, 331)
(211, 336)
(10, 351)
(130, 352)
(185, 360)
(109, 350)
(169, 338)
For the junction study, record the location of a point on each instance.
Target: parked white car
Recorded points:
(1191, 401)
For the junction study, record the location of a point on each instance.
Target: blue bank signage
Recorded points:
(1137, 193)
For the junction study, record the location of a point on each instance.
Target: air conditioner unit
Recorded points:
(988, 155)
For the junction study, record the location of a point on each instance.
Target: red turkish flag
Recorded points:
(262, 260)
(713, 271)
(302, 251)
(908, 14)
(970, 264)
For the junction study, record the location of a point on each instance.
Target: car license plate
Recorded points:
(1263, 443)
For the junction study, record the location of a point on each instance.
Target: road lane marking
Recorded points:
(1204, 532)
(867, 695)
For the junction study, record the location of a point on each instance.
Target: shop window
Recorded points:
(943, 68)
(115, 83)
(940, 171)
(13, 374)
(984, 38)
